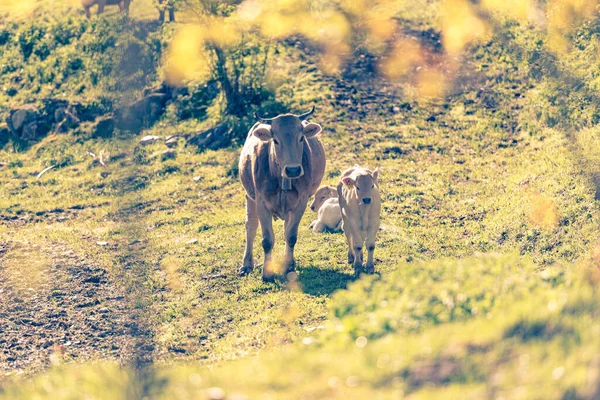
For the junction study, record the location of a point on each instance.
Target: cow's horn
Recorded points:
(263, 119)
(306, 114)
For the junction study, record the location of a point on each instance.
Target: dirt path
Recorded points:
(61, 307)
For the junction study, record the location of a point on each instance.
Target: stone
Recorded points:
(143, 113)
(104, 127)
(172, 141)
(4, 134)
(213, 139)
(169, 154)
(149, 139)
(26, 123)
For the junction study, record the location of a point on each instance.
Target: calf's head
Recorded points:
(364, 182)
(288, 133)
(321, 195)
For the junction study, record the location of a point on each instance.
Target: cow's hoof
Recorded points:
(358, 270)
(290, 267)
(245, 270)
(370, 269)
(268, 278)
(350, 258)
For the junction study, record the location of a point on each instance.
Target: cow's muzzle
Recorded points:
(293, 171)
(367, 200)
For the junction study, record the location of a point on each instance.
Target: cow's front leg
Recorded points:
(251, 228)
(292, 221)
(357, 257)
(357, 246)
(266, 224)
(346, 229)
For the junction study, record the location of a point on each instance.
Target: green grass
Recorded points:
(474, 297)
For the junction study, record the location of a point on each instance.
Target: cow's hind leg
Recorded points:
(172, 14)
(126, 7)
(266, 224)
(370, 244)
(251, 228)
(292, 221)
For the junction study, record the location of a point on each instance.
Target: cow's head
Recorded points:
(321, 195)
(288, 133)
(364, 182)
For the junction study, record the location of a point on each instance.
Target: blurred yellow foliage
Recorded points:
(171, 267)
(563, 16)
(407, 53)
(18, 7)
(461, 26)
(186, 58)
(431, 82)
(543, 211)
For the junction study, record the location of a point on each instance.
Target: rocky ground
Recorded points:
(59, 306)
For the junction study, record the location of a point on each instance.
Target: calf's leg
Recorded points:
(350, 245)
(370, 243)
(251, 228)
(358, 254)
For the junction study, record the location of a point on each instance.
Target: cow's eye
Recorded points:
(372, 186)
(357, 188)
(301, 139)
(275, 141)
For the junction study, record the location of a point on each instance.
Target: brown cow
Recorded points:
(87, 5)
(358, 193)
(281, 166)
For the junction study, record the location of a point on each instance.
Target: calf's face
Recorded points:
(365, 184)
(321, 195)
(288, 135)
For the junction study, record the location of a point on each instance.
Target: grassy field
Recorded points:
(487, 277)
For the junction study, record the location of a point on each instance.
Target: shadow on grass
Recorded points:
(317, 281)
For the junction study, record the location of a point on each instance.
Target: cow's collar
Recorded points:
(286, 186)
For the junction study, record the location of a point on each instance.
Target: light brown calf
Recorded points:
(329, 215)
(323, 193)
(358, 193)
(281, 166)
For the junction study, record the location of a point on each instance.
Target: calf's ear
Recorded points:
(263, 132)
(311, 129)
(376, 175)
(349, 182)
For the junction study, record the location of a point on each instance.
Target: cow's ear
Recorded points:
(263, 132)
(333, 192)
(311, 129)
(376, 175)
(349, 182)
